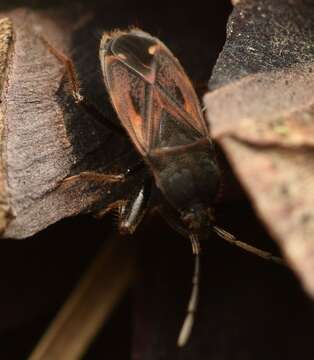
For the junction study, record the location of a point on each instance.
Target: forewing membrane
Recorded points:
(151, 93)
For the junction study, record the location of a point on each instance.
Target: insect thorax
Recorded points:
(189, 180)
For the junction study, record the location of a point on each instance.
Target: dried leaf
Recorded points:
(47, 138)
(6, 39)
(264, 81)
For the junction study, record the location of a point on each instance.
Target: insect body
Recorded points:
(157, 105)
(159, 110)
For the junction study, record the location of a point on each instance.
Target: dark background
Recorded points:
(249, 309)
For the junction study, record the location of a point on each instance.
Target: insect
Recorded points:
(159, 111)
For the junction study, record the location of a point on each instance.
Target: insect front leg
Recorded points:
(79, 99)
(132, 211)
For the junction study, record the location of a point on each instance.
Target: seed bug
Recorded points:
(159, 111)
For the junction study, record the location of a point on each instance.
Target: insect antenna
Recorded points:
(193, 302)
(231, 239)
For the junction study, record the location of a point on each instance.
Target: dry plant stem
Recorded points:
(90, 304)
(231, 239)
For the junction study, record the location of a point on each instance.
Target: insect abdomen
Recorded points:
(187, 177)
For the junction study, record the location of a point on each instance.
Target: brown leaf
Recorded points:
(6, 39)
(47, 137)
(264, 81)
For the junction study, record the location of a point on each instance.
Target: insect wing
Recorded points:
(152, 95)
(177, 92)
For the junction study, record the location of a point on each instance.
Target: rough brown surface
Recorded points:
(264, 78)
(248, 309)
(6, 40)
(47, 138)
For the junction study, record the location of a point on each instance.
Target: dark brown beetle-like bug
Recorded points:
(158, 107)
(159, 110)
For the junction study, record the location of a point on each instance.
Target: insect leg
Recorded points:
(249, 248)
(99, 178)
(93, 176)
(193, 302)
(105, 179)
(132, 211)
(79, 99)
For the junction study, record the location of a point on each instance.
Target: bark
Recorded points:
(46, 137)
(264, 77)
